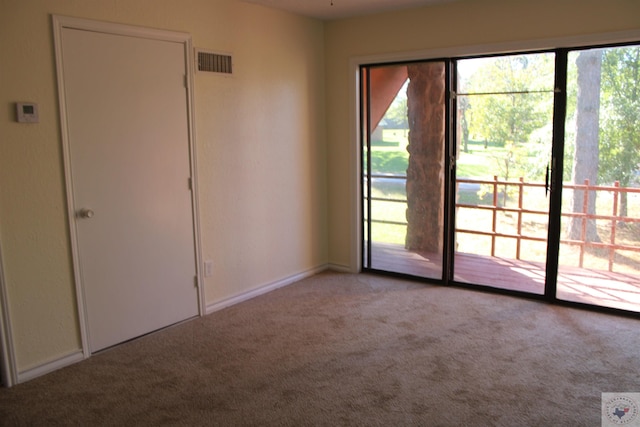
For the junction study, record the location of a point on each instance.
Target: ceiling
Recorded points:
(337, 9)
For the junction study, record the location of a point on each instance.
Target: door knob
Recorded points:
(85, 213)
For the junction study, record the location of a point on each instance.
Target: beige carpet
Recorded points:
(362, 350)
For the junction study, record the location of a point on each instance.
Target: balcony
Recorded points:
(501, 242)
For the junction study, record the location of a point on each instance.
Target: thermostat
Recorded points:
(27, 112)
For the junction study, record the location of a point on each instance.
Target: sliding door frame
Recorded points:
(365, 165)
(557, 167)
(364, 73)
(560, 47)
(550, 213)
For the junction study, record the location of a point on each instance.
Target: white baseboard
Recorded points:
(339, 268)
(54, 365)
(78, 355)
(263, 289)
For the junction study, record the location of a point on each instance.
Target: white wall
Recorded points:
(260, 153)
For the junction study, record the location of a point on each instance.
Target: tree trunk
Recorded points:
(586, 158)
(425, 173)
(463, 107)
(623, 209)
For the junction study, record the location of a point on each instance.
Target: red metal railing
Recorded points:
(495, 208)
(615, 218)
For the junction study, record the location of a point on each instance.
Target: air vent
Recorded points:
(214, 62)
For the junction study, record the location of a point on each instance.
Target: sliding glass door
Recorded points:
(516, 172)
(599, 260)
(404, 136)
(505, 122)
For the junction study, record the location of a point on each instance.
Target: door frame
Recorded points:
(8, 369)
(355, 116)
(60, 23)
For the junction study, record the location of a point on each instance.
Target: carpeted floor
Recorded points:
(340, 349)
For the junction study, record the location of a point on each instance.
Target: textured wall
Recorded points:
(260, 154)
(439, 29)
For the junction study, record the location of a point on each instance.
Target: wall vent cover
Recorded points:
(214, 62)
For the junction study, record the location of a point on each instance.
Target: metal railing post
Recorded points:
(495, 215)
(520, 203)
(614, 221)
(585, 218)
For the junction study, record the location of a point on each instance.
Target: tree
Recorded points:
(620, 136)
(511, 98)
(510, 164)
(463, 108)
(511, 106)
(396, 115)
(586, 155)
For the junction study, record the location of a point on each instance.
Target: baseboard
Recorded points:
(263, 289)
(339, 268)
(78, 355)
(48, 367)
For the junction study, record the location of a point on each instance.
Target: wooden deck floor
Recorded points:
(603, 288)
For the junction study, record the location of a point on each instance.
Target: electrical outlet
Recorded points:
(208, 268)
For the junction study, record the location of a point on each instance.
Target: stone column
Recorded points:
(425, 173)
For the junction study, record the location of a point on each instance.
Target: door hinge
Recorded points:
(190, 183)
(185, 81)
(195, 281)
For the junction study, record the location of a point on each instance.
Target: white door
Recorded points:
(128, 139)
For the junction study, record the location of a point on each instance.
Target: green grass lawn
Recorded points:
(390, 156)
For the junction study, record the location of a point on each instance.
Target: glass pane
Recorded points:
(407, 167)
(505, 120)
(600, 241)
